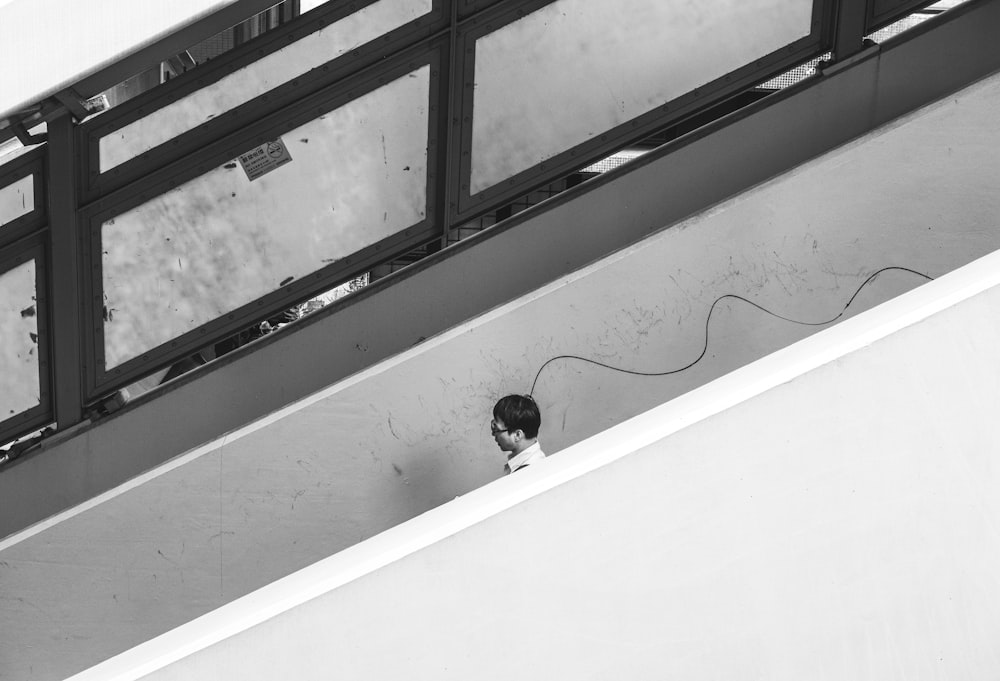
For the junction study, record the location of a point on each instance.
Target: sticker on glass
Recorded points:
(265, 158)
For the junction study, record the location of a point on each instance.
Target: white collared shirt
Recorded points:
(532, 454)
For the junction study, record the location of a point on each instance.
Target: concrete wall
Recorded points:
(559, 237)
(827, 512)
(412, 433)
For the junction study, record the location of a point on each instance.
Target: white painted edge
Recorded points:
(600, 450)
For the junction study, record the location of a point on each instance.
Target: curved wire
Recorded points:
(708, 319)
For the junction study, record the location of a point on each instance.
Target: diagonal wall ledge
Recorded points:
(578, 228)
(410, 433)
(825, 510)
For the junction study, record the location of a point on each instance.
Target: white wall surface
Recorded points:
(827, 512)
(412, 433)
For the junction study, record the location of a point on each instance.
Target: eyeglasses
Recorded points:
(494, 430)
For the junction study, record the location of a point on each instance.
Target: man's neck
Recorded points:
(521, 446)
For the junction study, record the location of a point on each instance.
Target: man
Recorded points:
(516, 420)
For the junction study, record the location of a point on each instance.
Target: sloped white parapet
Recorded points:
(829, 511)
(411, 433)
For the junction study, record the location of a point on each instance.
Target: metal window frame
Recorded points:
(98, 380)
(881, 13)
(467, 8)
(96, 183)
(449, 32)
(27, 249)
(30, 163)
(468, 206)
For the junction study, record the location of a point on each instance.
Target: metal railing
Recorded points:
(409, 135)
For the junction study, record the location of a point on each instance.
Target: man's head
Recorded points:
(516, 420)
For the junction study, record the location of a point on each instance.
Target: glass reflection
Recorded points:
(307, 5)
(19, 390)
(257, 78)
(17, 199)
(357, 175)
(575, 69)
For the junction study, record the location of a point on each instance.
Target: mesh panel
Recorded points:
(803, 71)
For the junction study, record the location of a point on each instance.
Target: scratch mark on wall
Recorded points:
(218, 535)
(165, 558)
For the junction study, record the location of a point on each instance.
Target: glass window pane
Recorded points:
(575, 69)
(17, 199)
(257, 78)
(357, 175)
(19, 390)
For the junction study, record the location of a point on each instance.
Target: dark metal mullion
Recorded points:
(460, 121)
(448, 168)
(64, 273)
(471, 7)
(849, 28)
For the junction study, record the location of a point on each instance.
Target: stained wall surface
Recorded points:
(826, 512)
(412, 433)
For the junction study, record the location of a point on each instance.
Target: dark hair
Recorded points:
(519, 412)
